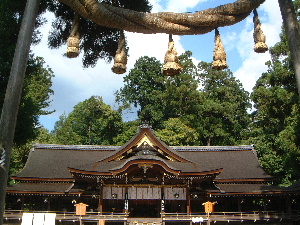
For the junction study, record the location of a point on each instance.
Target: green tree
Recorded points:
(276, 122)
(223, 117)
(97, 42)
(34, 101)
(182, 96)
(213, 103)
(177, 133)
(37, 84)
(64, 133)
(91, 122)
(143, 87)
(129, 130)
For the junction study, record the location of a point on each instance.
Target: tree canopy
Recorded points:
(276, 121)
(97, 42)
(37, 85)
(211, 103)
(91, 122)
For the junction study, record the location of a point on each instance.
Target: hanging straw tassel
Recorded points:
(219, 62)
(74, 39)
(258, 35)
(171, 66)
(120, 59)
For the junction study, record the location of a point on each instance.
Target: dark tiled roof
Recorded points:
(76, 147)
(238, 162)
(212, 148)
(246, 188)
(52, 161)
(44, 188)
(105, 166)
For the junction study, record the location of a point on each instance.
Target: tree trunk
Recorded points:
(13, 95)
(292, 31)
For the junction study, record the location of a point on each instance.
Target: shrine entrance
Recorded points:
(144, 208)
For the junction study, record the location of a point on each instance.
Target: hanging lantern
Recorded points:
(120, 59)
(74, 39)
(171, 66)
(219, 62)
(258, 35)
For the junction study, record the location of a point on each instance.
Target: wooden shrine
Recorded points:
(145, 178)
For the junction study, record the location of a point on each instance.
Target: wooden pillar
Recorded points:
(126, 201)
(288, 204)
(162, 208)
(239, 204)
(188, 198)
(100, 202)
(101, 222)
(13, 95)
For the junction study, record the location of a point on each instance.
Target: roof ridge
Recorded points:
(75, 147)
(214, 148)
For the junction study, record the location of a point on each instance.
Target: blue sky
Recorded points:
(73, 83)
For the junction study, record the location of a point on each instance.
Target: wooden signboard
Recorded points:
(81, 209)
(209, 206)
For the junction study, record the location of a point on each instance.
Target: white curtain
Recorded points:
(38, 218)
(49, 219)
(27, 219)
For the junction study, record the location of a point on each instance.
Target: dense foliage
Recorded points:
(276, 122)
(210, 104)
(37, 84)
(92, 122)
(97, 42)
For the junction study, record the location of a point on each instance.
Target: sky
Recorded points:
(73, 83)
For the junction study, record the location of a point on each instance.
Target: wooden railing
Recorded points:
(232, 216)
(13, 215)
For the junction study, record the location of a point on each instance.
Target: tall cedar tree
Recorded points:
(223, 117)
(276, 122)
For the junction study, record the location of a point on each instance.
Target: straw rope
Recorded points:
(164, 22)
(74, 39)
(120, 59)
(219, 62)
(258, 35)
(171, 66)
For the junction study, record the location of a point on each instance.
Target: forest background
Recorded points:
(199, 106)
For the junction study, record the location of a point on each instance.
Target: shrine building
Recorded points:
(148, 182)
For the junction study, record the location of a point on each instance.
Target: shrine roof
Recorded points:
(232, 189)
(53, 161)
(238, 162)
(105, 166)
(44, 188)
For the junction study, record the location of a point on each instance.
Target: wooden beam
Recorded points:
(13, 95)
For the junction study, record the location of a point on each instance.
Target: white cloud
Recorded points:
(182, 6)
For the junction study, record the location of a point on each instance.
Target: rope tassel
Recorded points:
(258, 35)
(219, 62)
(171, 66)
(74, 39)
(120, 59)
